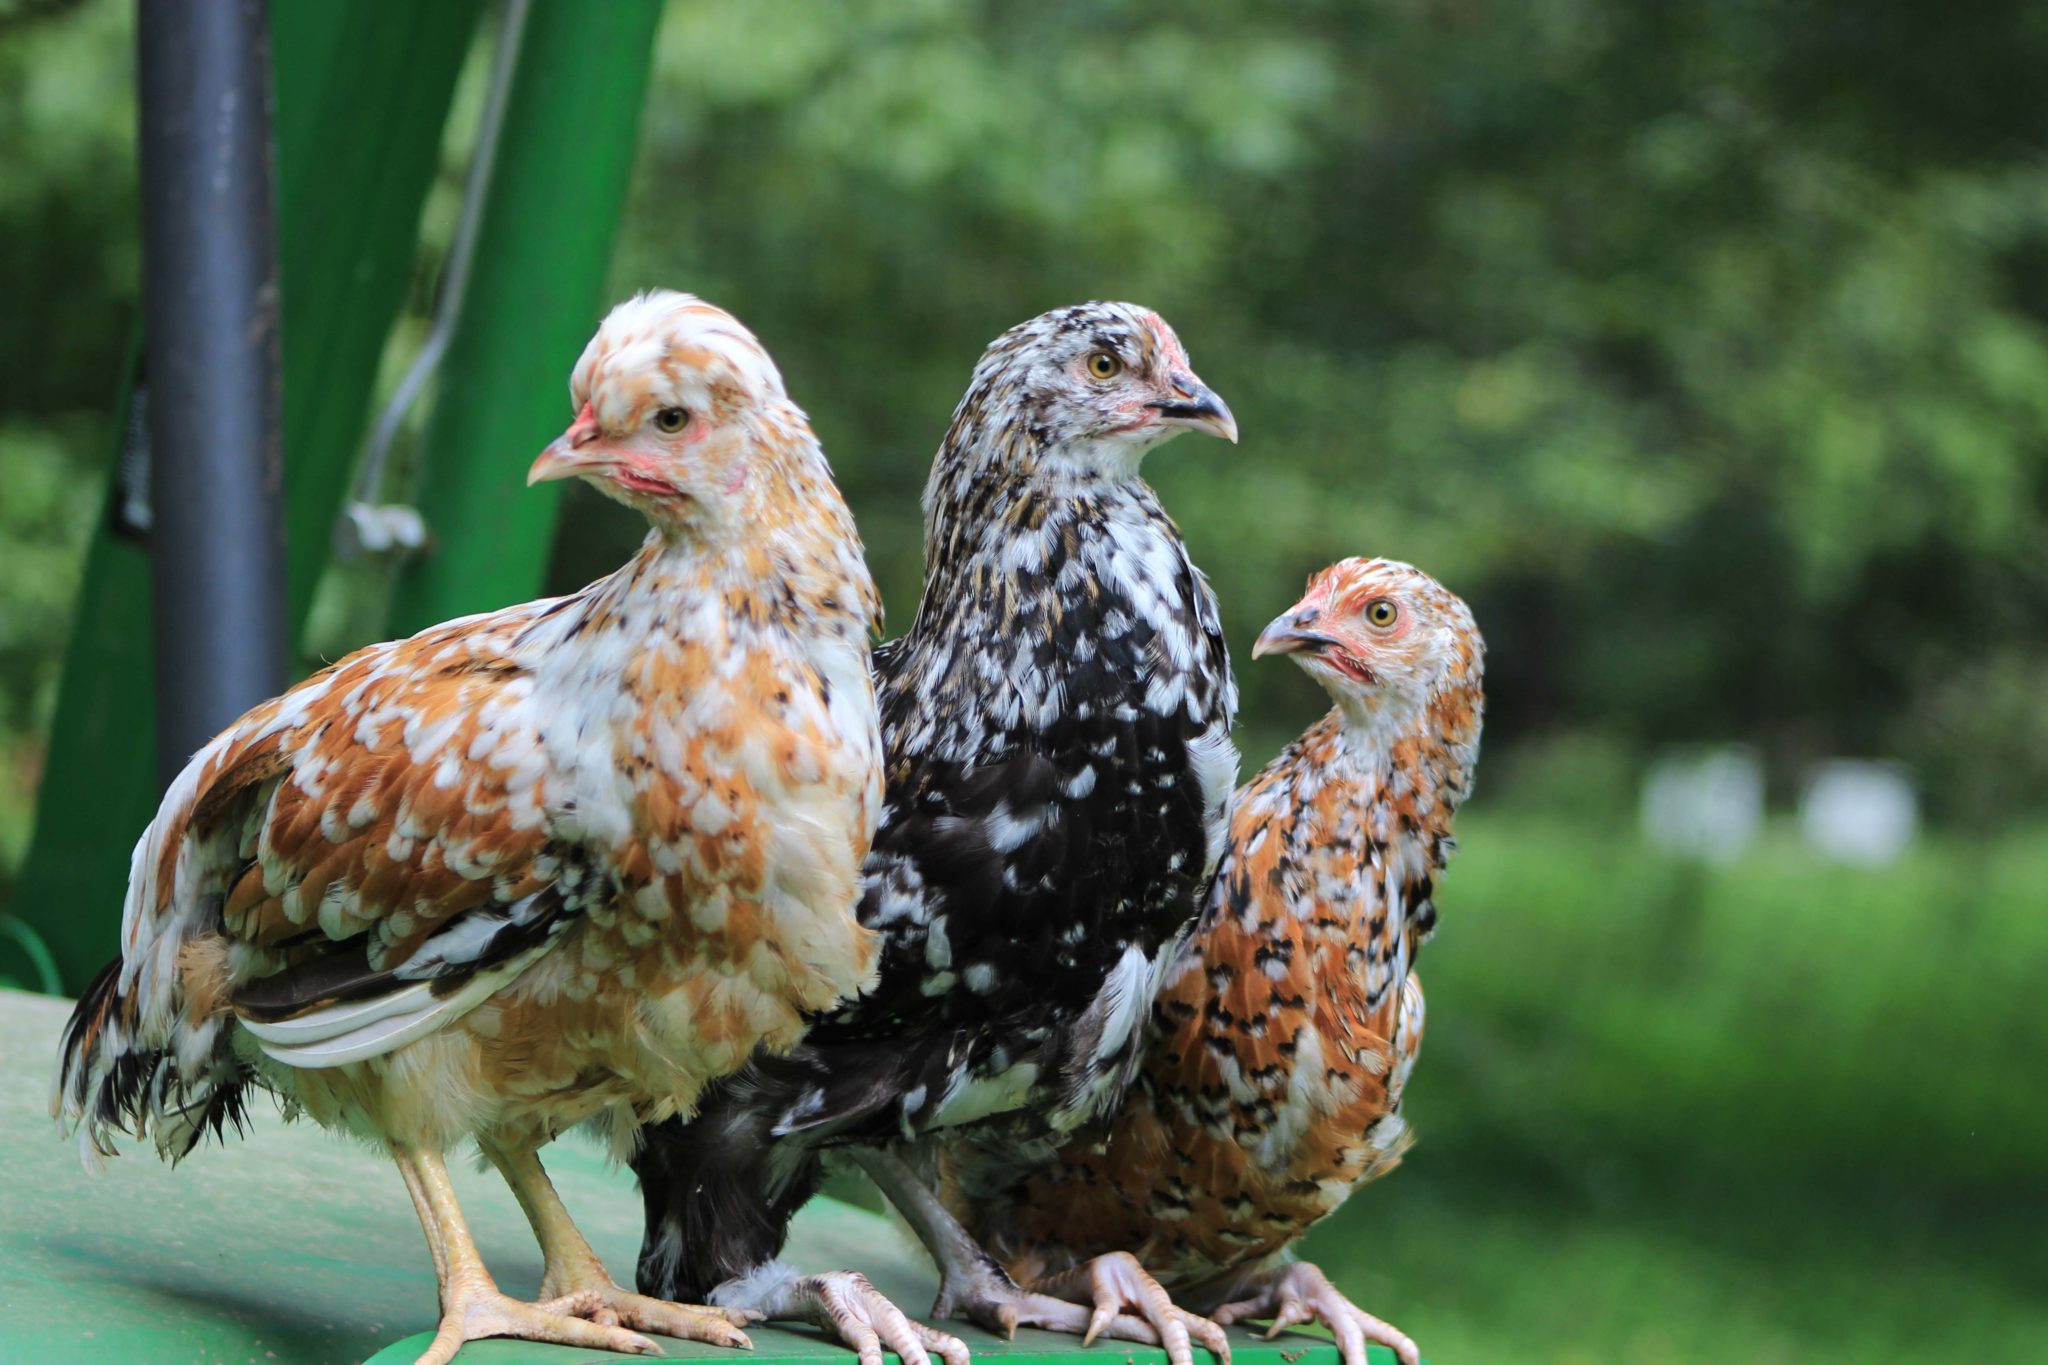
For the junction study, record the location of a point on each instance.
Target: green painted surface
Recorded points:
(352, 175)
(296, 1246)
(537, 292)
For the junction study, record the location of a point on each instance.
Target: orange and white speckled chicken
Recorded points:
(1284, 1033)
(556, 864)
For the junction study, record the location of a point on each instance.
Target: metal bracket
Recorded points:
(367, 526)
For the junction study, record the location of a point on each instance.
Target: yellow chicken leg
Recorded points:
(471, 1305)
(574, 1279)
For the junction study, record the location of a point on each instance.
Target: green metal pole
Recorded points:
(542, 253)
(361, 100)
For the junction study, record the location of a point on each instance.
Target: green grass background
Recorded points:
(1779, 1110)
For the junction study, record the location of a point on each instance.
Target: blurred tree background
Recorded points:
(1704, 349)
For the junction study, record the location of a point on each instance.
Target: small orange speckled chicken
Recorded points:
(556, 864)
(1284, 1033)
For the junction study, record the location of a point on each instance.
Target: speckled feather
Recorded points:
(1284, 1034)
(575, 857)
(1057, 726)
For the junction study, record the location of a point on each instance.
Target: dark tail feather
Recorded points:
(82, 1032)
(109, 1081)
(101, 1081)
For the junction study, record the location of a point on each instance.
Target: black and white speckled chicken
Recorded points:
(1057, 725)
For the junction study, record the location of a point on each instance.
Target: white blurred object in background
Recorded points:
(1860, 811)
(1704, 803)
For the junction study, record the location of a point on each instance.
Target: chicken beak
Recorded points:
(1286, 636)
(1293, 632)
(576, 451)
(1197, 408)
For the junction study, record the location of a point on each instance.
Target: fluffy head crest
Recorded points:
(664, 343)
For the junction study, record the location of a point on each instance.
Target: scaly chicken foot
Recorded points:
(575, 1283)
(1300, 1293)
(472, 1306)
(973, 1287)
(843, 1303)
(981, 1292)
(1119, 1292)
(988, 1297)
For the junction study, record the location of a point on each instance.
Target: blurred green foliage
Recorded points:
(68, 277)
(1703, 348)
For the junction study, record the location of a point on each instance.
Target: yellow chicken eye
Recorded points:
(1380, 613)
(1103, 365)
(672, 420)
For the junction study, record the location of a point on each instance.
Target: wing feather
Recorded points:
(358, 1031)
(349, 834)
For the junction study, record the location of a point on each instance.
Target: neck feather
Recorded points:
(802, 571)
(1421, 763)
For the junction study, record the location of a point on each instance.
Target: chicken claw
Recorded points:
(1117, 1282)
(475, 1309)
(1300, 1293)
(843, 1302)
(611, 1306)
(1086, 1301)
(575, 1281)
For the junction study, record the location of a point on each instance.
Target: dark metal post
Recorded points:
(210, 321)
